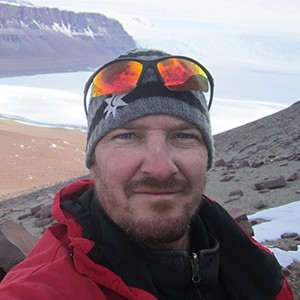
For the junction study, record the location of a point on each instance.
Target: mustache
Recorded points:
(171, 183)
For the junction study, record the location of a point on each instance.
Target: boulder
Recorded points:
(220, 163)
(241, 218)
(271, 183)
(237, 192)
(15, 243)
(293, 177)
(227, 178)
(46, 211)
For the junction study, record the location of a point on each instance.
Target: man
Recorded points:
(142, 228)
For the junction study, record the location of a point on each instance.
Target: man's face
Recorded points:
(149, 177)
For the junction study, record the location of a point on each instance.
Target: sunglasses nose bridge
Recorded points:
(149, 74)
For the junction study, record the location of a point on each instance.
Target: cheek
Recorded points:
(117, 166)
(194, 167)
(196, 161)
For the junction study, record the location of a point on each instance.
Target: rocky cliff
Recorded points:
(38, 40)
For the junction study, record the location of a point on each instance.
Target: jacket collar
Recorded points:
(247, 270)
(159, 272)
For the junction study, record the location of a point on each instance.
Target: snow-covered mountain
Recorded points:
(40, 39)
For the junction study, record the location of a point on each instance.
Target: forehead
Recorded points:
(160, 121)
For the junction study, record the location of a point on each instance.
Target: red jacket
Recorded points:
(59, 268)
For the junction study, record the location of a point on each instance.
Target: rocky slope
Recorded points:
(258, 165)
(37, 40)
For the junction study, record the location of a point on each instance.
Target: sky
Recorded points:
(251, 48)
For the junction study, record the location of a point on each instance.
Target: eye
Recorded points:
(125, 136)
(183, 135)
(189, 137)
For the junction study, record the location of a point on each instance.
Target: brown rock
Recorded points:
(241, 218)
(286, 272)
(243, 163)
(15, 244)
(10, 254)
(283, 164)
(35, 209)
(256, 164)
(271, 184)
(38, 215)
(254, 222)
(24, 216)
(260, 205)
(43, 222)
(238, 214)
(46, 211)
(18, 235)
(287, 246)
(230, 167)
(247, 227)
(220, 163)
(293, 247)
(284, 247)
(236, 193)
(227, 178)
(289, 235)
(293, 177)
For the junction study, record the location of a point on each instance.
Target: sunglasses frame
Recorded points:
(146, 64)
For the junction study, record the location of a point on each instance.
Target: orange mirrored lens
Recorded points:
(182, 75)
(117, 78)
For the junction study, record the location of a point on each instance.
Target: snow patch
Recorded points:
(282, 219)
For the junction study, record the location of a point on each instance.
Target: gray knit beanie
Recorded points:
(109, 112)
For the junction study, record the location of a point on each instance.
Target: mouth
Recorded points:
(158, 192)
(153, 187)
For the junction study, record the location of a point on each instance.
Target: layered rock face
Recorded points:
(38, 40)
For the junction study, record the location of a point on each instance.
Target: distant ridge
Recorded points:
(281, 128)
(284, 124)
(41, 124)
(46, 40)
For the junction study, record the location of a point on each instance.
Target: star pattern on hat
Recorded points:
(113, 103)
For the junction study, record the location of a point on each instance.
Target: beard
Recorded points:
(159, 229)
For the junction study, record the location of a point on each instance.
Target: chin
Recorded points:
(158, 231)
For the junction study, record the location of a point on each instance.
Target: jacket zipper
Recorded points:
(196, 278)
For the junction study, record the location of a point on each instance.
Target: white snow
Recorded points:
(281, 219)
(58, 99)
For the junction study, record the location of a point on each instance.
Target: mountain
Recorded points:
(43, 40)
(257, 165)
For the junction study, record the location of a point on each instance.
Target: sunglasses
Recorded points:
(177, 73)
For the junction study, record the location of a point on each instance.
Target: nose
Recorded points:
(158, 161)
